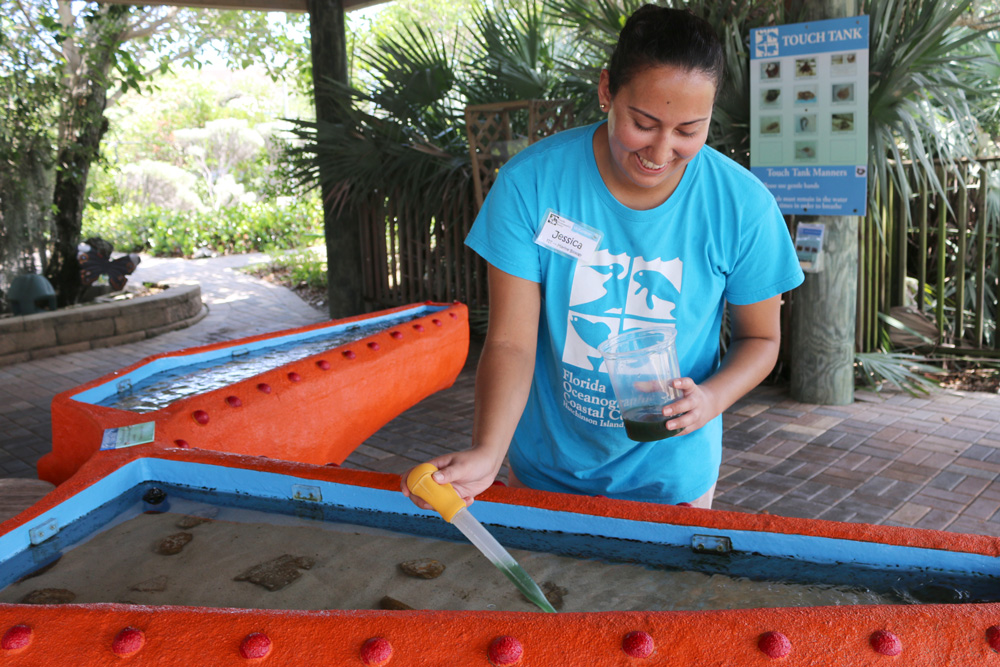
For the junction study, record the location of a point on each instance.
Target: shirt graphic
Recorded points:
(611, 294)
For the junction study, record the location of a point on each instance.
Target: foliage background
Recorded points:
(415, 66)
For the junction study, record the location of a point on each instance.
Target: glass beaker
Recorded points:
(642, 364)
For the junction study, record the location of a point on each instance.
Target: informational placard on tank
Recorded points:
(128, 436)
(809, 115)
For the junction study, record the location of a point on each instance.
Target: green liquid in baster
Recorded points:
(527, 586)
(646, 423)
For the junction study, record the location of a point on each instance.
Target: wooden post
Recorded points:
(823, 320)
(343, 235)
(824, 314)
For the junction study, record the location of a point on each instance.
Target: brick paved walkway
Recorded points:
(895, 459)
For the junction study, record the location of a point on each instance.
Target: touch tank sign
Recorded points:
(809, 115)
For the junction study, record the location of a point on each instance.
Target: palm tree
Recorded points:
(931, 87)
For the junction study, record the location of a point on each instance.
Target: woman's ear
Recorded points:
(604, 91)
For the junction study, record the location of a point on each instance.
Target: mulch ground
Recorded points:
(973, 379)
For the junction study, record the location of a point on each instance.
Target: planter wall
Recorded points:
(41, 335)
(314, 410)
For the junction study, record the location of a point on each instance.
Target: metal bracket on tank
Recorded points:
(43, 531)
(711, 544)
(307, 492)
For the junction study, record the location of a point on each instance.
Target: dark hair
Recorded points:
(655, 35)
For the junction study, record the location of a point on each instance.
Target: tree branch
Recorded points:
(138, 31)
(117, 95)
(34, 28)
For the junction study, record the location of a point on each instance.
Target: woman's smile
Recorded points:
(649, 165)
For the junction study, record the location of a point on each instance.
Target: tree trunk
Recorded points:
(85, 126)
(343, 232)
(69, 198)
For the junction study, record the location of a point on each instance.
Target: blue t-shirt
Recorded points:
(719, 237)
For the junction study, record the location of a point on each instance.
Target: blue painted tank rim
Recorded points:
(281, 486)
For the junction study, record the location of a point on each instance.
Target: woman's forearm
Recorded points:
(747, 362)
(507, 364)
(752, 353)
(503, 381)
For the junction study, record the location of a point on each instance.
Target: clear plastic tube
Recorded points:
(494, 551)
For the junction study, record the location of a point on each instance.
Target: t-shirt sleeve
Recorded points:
(504, 231)
(766, 263)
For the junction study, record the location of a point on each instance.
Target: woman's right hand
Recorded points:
(503, 382)
(470, 472)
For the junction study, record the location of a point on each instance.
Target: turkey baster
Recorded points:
(446, 502)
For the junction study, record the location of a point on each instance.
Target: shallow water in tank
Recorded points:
(165, 387)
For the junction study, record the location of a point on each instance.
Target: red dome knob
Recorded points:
(638, 644)
(255, 645)
(376, 652)
(774, 645)
(505, 650)
(17, 637)
(992, 637)
(128, 641)
(886, 643)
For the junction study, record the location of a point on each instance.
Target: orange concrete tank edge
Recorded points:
(313, 412)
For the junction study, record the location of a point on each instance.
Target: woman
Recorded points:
(627, 224)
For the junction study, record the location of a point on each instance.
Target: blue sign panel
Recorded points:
(809, 115)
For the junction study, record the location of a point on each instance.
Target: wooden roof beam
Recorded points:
(249, 5)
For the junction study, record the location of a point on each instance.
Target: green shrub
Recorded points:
(238, 229)
(297, 269)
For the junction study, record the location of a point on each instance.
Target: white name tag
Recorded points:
(567, 237)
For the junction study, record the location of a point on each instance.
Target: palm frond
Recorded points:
(903, 371)
(511, 55)
(413, 75)
(915, 95)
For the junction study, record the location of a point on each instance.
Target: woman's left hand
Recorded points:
(693, 410)
(752, 351)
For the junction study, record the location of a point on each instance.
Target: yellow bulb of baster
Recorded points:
(442, 497)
